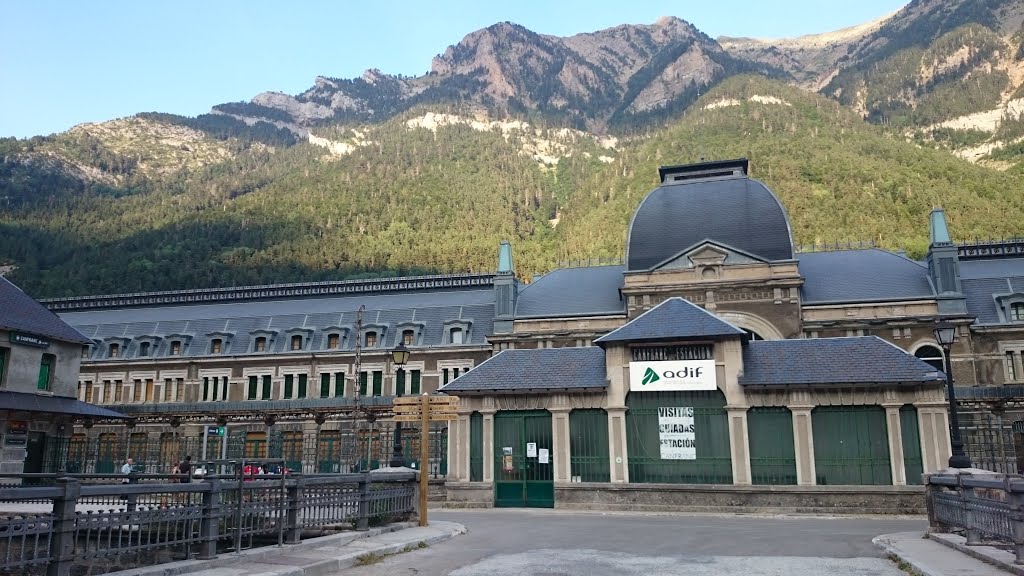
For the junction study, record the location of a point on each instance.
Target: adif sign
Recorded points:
(672, 376)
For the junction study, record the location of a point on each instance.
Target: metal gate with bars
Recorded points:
(329, 451)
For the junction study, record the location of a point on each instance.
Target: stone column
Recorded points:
(896, 462)
(739, 445)
(560, 443)
(488, 437)
(458, 448)
(933, 428)
(803, 444)
(618, 452)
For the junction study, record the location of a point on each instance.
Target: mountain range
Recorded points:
(547, 141)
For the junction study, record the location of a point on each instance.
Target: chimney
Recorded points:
(506, 290)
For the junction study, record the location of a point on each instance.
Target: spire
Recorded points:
(506, 290)
(939, 229)
(505, 258)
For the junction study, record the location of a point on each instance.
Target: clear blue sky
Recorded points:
(67, 62)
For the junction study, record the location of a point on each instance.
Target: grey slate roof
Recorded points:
(592, 290)
(854, 360)
(534, 370)
(53, 405)
(861, 275)
(991, 268)
(431, 309)
(673, 319)
(20, 313)
(735, 211)
(983, 280)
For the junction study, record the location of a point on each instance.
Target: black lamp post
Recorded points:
(945, 334)
(400, 355)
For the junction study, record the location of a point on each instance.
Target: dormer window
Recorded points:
(297, 342)
(114, 350)
(216, 345)
(333, 341)
(456, 335)
(457, 332)
(175, 348)
(408, 337)
(370, 339)
(144, 349)
(260, 344)
(1017, 312)
(86, 353)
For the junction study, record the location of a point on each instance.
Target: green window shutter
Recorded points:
(253, 384)
(400, 383)
(339, 384)
(289, 384)
(216, 382)
(455, 373)
(325, 385)
(362, 383)
(267, 385)
(414, 388)
(378, 382)
(206, 388)
(45, 366)
(912, 461)
(444, 379)
(588, 445)
(302, 385)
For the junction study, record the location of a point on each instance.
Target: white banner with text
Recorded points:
(676, 433)
(672, 376)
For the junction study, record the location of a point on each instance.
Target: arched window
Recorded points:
(407, 337)
(930, 354)
(370, 339)
(176, 348)
(144, 349)
(216, 345)
(260, 344)
(456, 335)
(297, 342)
(114, 350)
(753, 335)
(333, 340)
(1017, 312)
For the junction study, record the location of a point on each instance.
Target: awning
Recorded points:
(22, 402)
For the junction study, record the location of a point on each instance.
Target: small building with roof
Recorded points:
(39, 365)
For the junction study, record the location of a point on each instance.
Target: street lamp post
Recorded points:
(400, 355)
(945, 334)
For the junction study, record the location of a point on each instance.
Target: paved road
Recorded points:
(557, 543)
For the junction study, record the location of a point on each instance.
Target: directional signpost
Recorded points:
(425, 409)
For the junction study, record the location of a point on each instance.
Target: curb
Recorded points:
(266, 555)
(883, 543)
(978, 552)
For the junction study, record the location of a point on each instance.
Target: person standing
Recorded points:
(128, 468)
(185, 467)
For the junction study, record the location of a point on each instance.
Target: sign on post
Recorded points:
(425, 409)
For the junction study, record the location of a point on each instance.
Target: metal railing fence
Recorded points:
(329, 451)
(96, 525)
(987, 508)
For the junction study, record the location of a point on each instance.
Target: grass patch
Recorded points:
(369, 559)
(903, 565)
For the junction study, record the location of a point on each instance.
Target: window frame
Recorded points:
(49, 363)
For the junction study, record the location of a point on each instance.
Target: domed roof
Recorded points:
(694, 205)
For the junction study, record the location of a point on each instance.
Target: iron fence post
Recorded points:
(62, 542)
(293, 530)
(363, 521)
(132, 498)
(1016, 520)
(210, 521)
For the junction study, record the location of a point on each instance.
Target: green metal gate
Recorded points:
(588, 445)
(476, 447)
(522, 479)
(772, 454)
(913, 464)
(713, 464)
(851, 445)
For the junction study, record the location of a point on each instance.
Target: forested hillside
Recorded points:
(397, 197)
